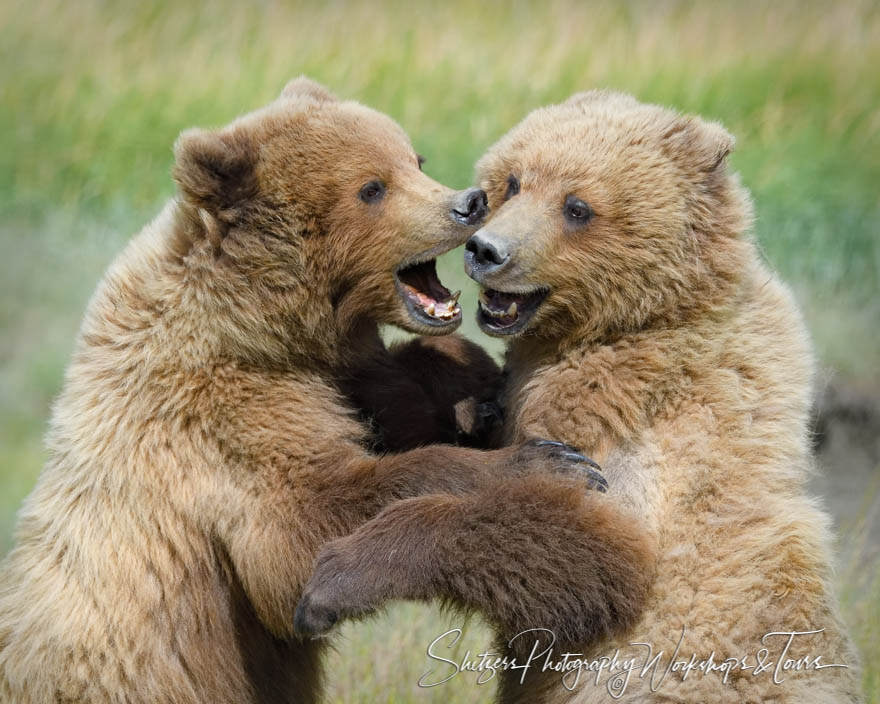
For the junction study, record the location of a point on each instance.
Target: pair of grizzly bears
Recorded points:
(212, 497)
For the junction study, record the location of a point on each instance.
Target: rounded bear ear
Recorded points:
(303, 87)
(214, 169)
(698, 142)
(601, 95)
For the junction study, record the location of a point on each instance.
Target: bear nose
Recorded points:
(470, 207)
(485, 254)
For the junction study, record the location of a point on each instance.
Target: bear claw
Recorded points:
(597, 481)
(552, 443)
(564, 451)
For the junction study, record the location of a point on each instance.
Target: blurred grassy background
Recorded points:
(93, 95)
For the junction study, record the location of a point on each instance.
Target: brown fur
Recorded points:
(200, 453)
(668, 351)
(427, 391)
(504, 550)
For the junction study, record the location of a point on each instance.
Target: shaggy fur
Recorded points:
(669, 352)
(200, 452)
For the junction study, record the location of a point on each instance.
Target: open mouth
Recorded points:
(427, 300)
(503, 313)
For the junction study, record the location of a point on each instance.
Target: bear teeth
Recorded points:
(502, 315)
(441, 310)
(508, 314)
(450, 310)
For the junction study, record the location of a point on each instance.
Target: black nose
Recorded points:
(485, 254)
(470, 207)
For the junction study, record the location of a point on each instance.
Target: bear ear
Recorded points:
(585, 97)
(698, 142)
(303, 87)
(214, 169)
(601, 95)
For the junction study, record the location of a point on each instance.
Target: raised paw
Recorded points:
(565, 458)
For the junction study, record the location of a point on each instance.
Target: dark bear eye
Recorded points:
(576, 211)
(512, 187)
(372, 192)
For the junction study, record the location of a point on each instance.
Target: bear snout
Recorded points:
(484, 254)
(470, 207)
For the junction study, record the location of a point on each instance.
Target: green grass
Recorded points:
(93, 95)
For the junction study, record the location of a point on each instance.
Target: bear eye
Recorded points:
(512, 187)
(372, 192)
(576, 211)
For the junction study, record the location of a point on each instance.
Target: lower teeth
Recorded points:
(486, 304)
(505, 316)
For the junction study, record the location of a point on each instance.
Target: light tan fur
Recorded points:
(200, 453)
(668, 352)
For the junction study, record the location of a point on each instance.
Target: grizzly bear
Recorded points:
(202, 450)
(644, 329)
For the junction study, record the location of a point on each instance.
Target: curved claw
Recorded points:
(568, 451)
(587, 461)
(540, 442)
(597, 481)
(572, 454)
(592, 470)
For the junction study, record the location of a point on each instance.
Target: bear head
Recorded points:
(313, 214)
(609, 216)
